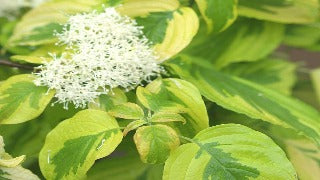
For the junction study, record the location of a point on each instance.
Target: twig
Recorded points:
(17, 65)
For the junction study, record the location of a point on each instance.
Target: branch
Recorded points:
(16, 65)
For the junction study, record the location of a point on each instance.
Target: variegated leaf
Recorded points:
(155, 142)
(73, 146)
(249, 98)
(218, 14)
(174, 95)
(21, 100)
(229, 151)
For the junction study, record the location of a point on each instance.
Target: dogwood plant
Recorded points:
(158, 89)
(107, 51)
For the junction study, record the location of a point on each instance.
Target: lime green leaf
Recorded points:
(180, 31)
(12, 162)
(218, 14)
(162, 95)
(147, 99)
(10, 168)
(127, 111)
(109, 101)
(135, 8)
(315, 76)
(249, 98)
(155, 25)
(37, 27)
(154, 143)
(305, 157)
(302, 36)
(274, 73)
(6, 160)
(21, 100)
(133, 125)
(245, 40)
(32, 134)
(169, 31)
(127, 166)
(29, 59)
(39, 55)
(16, 173)
(73, 146)
(162, 117)
(283, 11)
(229, 152)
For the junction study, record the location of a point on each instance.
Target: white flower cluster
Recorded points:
(107, 51)
(10, 8)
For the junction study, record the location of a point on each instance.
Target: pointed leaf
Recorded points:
(12, 162)
(274, 73)
(315, 76)
(179, 33)
(21, 100)
(245, 41)
(38, 26)
(127, 111)
(163, 117)
(133, 125)
(10, 168)
(73, 146)
(127, 166)
(283, 11)
(154, 143)
(249, 98)
(142, 8)
(106, 102)
(229, 151)
(160, 93)
(218, 14)
(305, 157)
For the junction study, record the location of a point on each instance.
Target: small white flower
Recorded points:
(10, 8)
(107, 51)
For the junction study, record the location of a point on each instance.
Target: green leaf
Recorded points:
(106, 102)
(37, 27)
(13, 162)
(155, 142)
(126, 166)
(229, 151)
(170, 31)
(305, 157)
(155, 25)
(32, 134)
(245, 40)
(164, 117)
(315, 76)
(21, 100)
(245, 97)
(302, 36)
(174, 95)
(73, 146)
(283, 11)
(16, 173)
(167, 26)
(133, 125)
(274, 73)
(127, 111)
(218, 14)
(40, 55)
(10, 168)
(142, 8)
